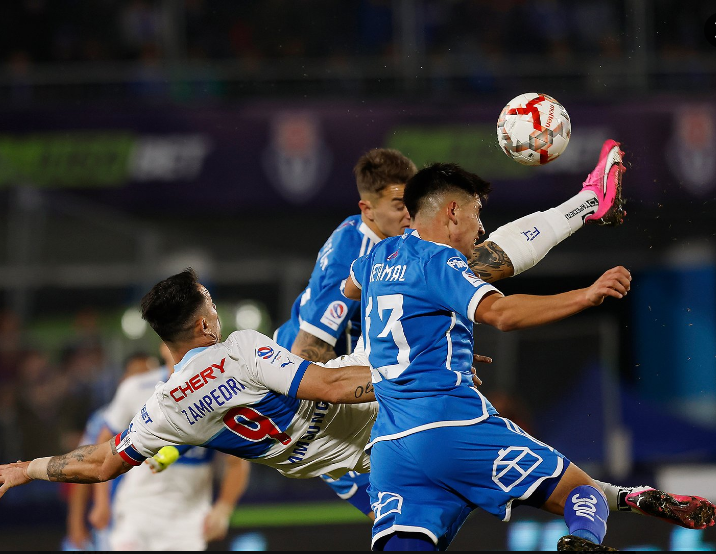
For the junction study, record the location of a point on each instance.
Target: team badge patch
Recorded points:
(473, 279)
(388, 503)
(335, 314)
(513, 465)
(265, 352)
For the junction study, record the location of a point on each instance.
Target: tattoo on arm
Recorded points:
(362, 391)
(491, 263)
(56, 467)
(312, 348)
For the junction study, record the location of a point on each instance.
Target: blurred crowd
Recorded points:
(340, 36)
(47, 394)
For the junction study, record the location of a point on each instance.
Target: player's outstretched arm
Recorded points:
(520, 311)
(344, 385)
(312, 348)
(92, 463)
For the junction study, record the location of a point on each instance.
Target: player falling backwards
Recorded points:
(324, 323)
(236, 397)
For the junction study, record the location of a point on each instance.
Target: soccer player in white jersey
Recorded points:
(246, 396)
(146, 509)
(419, 301)
(238, 396)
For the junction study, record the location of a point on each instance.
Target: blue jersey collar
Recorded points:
(187, 357)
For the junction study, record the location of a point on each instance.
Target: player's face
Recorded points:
(387, 211)
(466, 235)
(212, 316)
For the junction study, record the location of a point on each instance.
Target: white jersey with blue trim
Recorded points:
(321, 310)
(418, 300)
(239, 397)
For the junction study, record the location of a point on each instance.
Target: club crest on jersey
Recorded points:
(334, 314)
(393, 255)
(388, 503)
(513, 465)
(265, 352)
(457, 263)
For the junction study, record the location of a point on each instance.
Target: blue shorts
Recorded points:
(430, 481)
(353, 488)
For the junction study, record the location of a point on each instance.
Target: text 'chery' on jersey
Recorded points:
(418, 303)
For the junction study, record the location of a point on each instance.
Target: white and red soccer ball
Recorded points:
(533, 129)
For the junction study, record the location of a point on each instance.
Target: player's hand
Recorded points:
(13, 475)
(615, 282)
(100, 515)
(478, 359)
(216, 522)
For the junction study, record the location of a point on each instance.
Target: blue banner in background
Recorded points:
(280, 155)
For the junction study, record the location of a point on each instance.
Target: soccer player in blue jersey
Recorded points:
(323, 323)
(419, 301)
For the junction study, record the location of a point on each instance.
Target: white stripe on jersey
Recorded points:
(448, 361)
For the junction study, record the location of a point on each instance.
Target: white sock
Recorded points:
(527, 240)
(616, 495)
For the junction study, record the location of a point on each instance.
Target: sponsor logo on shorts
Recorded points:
(388, 503)
(513, 466)
(334, 314)
(457, 263)
(265, 352)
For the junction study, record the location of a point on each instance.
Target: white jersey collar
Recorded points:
(416, 234)
(368, 232)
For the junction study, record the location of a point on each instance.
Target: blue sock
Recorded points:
(408, 542)
(585, 513)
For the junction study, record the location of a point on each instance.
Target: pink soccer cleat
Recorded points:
(692, 512)
(606, 182)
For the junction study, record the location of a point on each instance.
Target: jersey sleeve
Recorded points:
(326, 312)
(269, 365)
(120, 410)
(451, 281)
(148, 432)
(358, 270)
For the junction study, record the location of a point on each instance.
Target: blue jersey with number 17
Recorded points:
(418, 300)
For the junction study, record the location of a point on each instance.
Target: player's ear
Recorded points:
(366, 209)
(201, 327)
(451, 210)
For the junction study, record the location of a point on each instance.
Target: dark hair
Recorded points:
(380, 167)
(438, 178)
(171, 304)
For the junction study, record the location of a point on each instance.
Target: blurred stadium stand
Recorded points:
(139, 137)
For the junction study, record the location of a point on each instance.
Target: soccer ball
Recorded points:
(533, 129)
